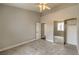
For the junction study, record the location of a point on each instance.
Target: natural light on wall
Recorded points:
(60, 26)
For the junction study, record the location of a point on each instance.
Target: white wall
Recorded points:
(66, 13)
(16, 25)
(72, 34)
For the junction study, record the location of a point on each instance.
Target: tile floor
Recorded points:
(41, 47)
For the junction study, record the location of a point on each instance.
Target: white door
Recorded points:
(72, 34)
(38, 30)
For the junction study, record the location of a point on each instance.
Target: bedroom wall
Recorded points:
(16, 25)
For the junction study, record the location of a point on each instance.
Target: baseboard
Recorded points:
(49, 40)
(59, 37)
(12, 46)
(77, 49)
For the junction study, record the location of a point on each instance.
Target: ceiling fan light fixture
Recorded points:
(43, 7)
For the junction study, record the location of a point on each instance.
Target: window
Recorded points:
(60, 26)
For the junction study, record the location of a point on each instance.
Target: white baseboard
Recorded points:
(60, 37)
(18, 44)
(49, 40)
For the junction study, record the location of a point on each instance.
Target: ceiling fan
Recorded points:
(43, 6)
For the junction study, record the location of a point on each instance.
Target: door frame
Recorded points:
(65, 29)
(44, 33)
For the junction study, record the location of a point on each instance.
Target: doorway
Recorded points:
(59, 32)
(43, 31)
(40, 31)
(66, 31)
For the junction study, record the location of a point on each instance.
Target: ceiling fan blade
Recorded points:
(44, 7)
(47, 7)
(40, 7)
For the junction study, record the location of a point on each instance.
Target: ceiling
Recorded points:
(34, 7)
